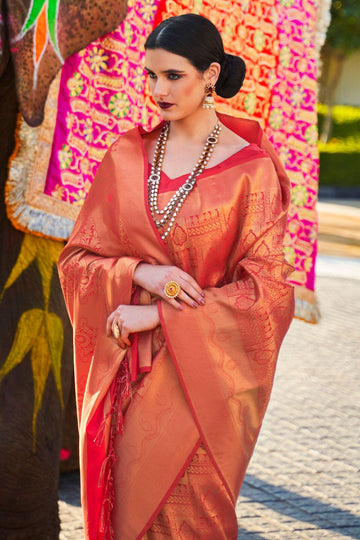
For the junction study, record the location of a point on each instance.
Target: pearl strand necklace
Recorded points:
(169, 212)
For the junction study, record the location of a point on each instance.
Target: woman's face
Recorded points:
(178, 88)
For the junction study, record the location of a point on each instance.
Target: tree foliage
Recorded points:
(344, 30)
(343, 38)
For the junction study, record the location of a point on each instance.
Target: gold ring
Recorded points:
(116, 331)
(172, 289)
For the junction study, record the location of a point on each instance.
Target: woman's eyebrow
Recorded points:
(166, 70)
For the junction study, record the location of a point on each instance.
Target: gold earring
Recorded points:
(209, 102)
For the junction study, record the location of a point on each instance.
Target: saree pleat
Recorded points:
(194, 509)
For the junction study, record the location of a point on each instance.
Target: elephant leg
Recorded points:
(33, 387)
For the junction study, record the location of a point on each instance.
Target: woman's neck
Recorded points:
(195, 128)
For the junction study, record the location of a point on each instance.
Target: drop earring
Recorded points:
(209, 102)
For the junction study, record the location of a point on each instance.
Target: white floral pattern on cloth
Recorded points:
(292, 130)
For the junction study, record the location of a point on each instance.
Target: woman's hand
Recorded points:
(153, 278)
(130, 319)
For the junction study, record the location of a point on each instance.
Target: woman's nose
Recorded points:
(161, 88)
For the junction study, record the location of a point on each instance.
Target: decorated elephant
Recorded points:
(36, 373)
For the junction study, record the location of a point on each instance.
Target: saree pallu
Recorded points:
(210, 381)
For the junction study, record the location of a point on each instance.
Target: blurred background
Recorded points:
(339, 134)
(339, 100)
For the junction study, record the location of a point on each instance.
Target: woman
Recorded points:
(174, 279)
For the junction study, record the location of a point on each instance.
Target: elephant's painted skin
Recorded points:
(36, 373)
(29, 467)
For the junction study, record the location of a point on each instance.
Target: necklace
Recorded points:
(165, 218)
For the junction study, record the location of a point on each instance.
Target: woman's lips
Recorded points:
(164, 105)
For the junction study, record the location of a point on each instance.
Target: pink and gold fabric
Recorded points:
(292, 129)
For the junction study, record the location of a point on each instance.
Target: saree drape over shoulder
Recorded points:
(210, 374)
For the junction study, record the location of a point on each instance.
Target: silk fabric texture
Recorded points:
(210, 382)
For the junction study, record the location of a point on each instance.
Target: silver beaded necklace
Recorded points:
(165, 218)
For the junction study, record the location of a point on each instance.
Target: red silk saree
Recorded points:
(208, 371)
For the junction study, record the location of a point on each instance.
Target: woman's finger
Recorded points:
(121, 343)
(121, 338)
(124, 336)
(174, 303)
(195, 293)
(127, 342)
(187, 299)
(190, 282)
(114, 333)
(182, 298)
(109, 323)
(190, 286)
(189, 295)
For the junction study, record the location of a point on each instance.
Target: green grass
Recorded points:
(340, 157)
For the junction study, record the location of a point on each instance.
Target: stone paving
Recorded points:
(303, 481)
(339, 228)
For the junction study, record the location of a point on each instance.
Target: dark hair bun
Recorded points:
(231, 76)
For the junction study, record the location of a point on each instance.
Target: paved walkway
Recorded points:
(303, 481)
(339, 228)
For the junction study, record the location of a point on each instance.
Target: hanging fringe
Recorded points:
(306, 305)
(120, 393)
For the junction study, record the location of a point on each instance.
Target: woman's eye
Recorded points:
(170, 76)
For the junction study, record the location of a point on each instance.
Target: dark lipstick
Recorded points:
(164, 105)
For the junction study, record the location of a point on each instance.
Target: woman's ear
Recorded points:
(212, 73)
